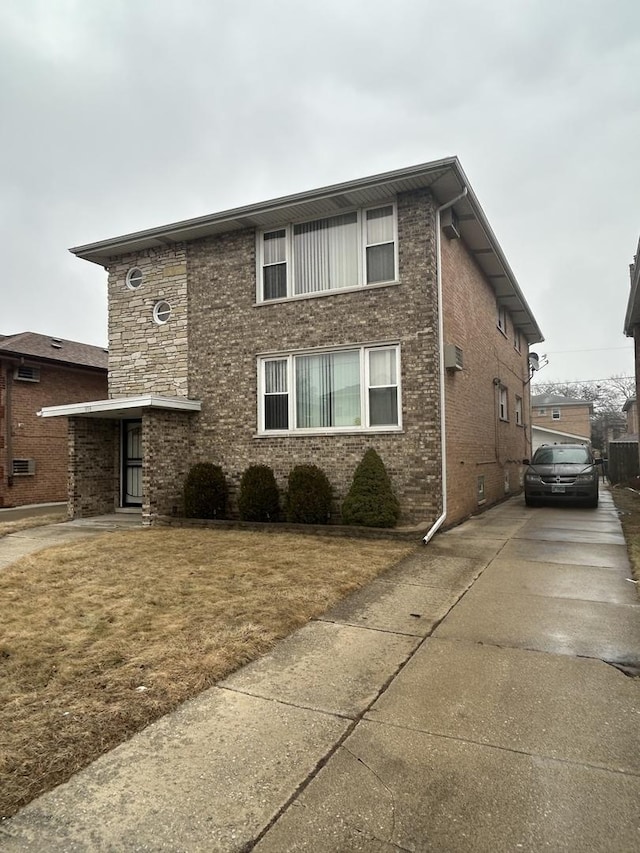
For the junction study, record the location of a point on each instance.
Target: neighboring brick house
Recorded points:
(630, 409)
(632, 319)
(305, 330)
(556, 419)
(36, 371)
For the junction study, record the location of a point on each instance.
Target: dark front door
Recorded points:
(132, 463)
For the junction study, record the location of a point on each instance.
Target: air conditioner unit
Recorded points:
(449, 223)
(453, 359)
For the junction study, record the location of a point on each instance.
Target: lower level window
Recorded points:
(355, 388)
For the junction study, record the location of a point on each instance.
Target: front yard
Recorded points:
(104, 636)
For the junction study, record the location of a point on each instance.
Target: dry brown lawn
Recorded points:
(101, 637)
(7, 527)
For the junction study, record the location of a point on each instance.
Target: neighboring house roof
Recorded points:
(444, 178)
(555, 434)
(46, 348)
(554, 400)
(632, 317)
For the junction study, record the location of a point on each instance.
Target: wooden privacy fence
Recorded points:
(624, 462)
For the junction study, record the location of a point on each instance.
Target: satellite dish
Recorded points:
(534, 361)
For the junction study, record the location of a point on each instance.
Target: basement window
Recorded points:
(481, 493)
(23, 467)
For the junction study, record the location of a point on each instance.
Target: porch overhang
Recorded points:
(123, 407)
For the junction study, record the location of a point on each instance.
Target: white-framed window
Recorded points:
(341, 390)
(502, 319)
(161, 313)
(518, 410)
(555, 414)
(503, 404)
(341, 252)
(23, 467)
(133, 279)
(517, 340)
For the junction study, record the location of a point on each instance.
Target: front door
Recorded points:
(132, 463)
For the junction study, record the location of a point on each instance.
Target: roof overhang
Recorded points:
(632, 317)
(125, 407)
(444, 178)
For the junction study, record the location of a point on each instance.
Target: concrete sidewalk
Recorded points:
(474, 698)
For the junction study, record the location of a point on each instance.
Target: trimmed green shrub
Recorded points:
(308, 496)
(205, 491)
(371, 501)
(259, 499)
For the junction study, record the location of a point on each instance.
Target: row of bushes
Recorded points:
(370, 501)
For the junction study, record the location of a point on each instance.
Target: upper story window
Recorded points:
(542, 411)
(134, 278)
(555, 414)
(502, 319)
(517, 340)
(341, 252)
(341, 390)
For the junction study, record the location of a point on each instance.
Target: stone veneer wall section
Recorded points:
(145, 358)
(93, 466)
(227, 332)
(165, 461)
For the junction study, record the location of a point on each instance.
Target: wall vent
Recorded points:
(453, 357)
(449, 223)
(23, 467)
(25, 373)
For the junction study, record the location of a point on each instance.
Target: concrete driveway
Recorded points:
(477, 697)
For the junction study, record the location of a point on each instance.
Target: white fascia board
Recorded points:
(125, 404)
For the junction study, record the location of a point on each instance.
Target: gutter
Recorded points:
(443, 436)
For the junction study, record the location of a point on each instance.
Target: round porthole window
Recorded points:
(161, 312)
(134, 278)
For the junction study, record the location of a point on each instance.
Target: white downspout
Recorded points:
(443, 437)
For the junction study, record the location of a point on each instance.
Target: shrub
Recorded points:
(258, 499)
(205, 492)
(308, 496)
(371, 501)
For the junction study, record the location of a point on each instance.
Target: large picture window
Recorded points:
(340, 252)
(341, 390)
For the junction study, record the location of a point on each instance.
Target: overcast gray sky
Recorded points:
(119, 115)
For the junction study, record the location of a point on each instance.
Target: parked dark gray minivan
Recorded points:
(561, 472)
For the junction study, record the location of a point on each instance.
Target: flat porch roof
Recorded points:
(123, 407)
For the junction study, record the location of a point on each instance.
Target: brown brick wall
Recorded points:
(42, 439)
(165, 448)
(227, 331)
(94, 471)
(478, 442)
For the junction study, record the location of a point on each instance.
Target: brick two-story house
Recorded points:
(558, 419)
(36, 371)
(375, 313)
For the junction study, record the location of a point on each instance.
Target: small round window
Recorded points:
(161, 312)
(134, 278)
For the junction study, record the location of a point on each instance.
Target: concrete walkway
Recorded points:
(474, 698)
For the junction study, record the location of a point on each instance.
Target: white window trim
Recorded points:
(517, 340)
(364, 386)
(518, 410)
(362, 255)
(503, 394)
(556, 415)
